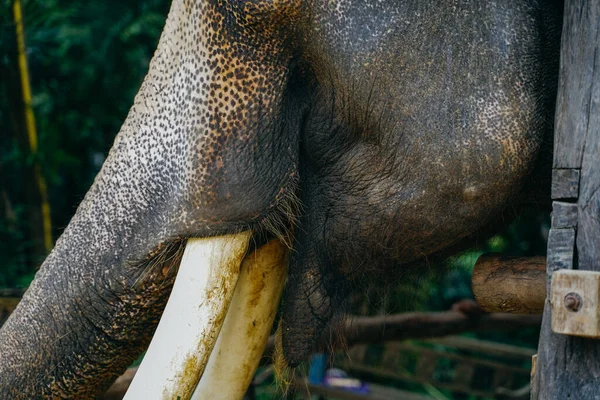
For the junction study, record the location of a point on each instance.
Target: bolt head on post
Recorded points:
(573, 302)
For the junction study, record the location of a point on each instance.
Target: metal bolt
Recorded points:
(573, 302)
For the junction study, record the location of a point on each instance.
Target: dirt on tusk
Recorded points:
(192, 319)
(247, 325)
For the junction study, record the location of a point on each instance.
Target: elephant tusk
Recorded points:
(192, 319)
(247, 325)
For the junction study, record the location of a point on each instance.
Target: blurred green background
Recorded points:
(86, 61)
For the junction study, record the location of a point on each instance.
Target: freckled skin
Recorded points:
(402, 127)
(411, 144)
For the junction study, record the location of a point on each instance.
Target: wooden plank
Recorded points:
(483, 346)
(574, 300)
(565, 183)
(578, 53)
(588, 230)
(567, 366)
(561, 243)
(564, 215)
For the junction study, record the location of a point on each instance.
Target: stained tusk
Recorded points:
(247, 325)
(192, 319)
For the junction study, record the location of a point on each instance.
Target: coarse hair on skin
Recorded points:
(281, 222)
(163, 255)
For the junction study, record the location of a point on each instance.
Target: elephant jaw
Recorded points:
(216, 323)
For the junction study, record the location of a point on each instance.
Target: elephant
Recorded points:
(366, 136)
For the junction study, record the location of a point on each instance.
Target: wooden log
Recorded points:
(515, 285)
(417, 325)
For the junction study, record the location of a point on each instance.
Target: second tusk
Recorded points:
(246, 329)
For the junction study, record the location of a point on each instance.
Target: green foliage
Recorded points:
(86, 61)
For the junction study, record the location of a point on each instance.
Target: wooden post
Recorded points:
(568, 367)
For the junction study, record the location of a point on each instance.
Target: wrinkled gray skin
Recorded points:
(401, 127)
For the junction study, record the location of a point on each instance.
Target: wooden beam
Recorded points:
(515, 285)
(565, 183)
(417, 325)
(567, 366)
(575, 297)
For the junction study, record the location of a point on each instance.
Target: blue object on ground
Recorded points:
(316, 370)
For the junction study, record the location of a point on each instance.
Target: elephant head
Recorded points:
(364, 135)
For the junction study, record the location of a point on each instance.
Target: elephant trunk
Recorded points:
(95, 302)
(79, 326)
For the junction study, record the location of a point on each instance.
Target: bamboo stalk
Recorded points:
(30, 124)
